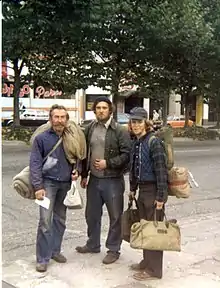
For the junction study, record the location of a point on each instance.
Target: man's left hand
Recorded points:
(100, 164)
(159, 205)
(75, 175)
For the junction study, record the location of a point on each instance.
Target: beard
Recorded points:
(101, 118)
(59, 128)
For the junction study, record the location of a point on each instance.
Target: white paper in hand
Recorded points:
(44, 203)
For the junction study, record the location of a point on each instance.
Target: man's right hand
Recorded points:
(84, 183)
(40, 194)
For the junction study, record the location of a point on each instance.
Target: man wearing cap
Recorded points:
(149, 174)
(108, 153)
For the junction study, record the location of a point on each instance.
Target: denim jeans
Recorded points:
(52, 226)
(100, 191)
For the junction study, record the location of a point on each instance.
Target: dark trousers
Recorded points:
(107, 191)
(153, 260)
(52, 221)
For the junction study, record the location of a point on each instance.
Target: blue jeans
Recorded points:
(52, 226)
(100, 191)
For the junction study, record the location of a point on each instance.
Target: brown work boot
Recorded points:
(59, 258)
(174, 221)
(41, 267)
(111, 257)
(138, 266)
(85, 249)
(144, 275)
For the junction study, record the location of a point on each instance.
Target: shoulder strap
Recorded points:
(152, 137)
(54, 148)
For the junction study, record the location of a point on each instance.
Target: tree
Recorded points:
(212, 60)
(46, 37)
(179, 37)
(114, 37)
(15, 35)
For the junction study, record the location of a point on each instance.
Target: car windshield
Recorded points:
(170, 118)
(123, 118)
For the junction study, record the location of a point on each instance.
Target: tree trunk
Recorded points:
(186, 109)
(115, 92)
(17, 86)
(165, 107)
(218, 112)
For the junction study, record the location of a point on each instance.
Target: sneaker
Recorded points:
(111, 257)
(59, 258)
(41, 267)
(85, 249)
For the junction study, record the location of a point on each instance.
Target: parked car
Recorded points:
(174, 122)
(123, 119)
(178, 121)
(31, 118)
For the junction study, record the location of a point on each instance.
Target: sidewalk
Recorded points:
(198, 265)
(6, 285)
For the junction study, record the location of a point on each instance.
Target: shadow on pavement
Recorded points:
(6, 285)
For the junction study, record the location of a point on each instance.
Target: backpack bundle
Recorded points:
(178, 177)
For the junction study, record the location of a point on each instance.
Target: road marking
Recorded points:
(192, 151)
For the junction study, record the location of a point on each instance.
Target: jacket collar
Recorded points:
(113, 124)
(143, 138)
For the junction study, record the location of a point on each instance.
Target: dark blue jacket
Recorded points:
(141, 160)
(61, 169)
(149, 164)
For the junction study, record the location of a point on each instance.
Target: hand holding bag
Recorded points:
(129, 217)
(73, 199)
(155, 235)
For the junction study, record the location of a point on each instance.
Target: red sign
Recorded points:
(4, 70)
(40, 91)
(9, 90)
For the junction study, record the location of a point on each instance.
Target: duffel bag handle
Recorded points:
(155, 217)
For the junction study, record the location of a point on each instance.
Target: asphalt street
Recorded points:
(20, 216)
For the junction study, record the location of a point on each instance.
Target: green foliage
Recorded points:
(46, 37)
(158, 45)
(196, 133)
(19, 133)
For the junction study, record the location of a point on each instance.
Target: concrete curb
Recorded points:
(13, 142)
(175, 139)
(7, 285)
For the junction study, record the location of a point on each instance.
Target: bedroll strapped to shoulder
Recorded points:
(165, 134)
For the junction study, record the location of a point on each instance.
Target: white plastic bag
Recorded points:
(73, 199)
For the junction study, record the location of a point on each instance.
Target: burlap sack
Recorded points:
(178, 182)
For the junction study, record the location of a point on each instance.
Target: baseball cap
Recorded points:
(138, 113)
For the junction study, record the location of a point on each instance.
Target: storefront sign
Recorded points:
(9, 90)
(40, 91)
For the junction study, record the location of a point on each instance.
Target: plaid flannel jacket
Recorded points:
(158, 156)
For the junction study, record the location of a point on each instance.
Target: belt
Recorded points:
(146, 182)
